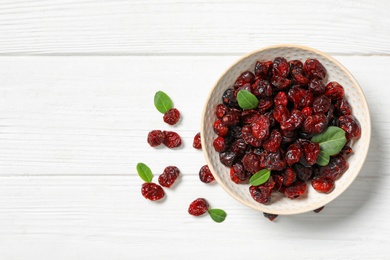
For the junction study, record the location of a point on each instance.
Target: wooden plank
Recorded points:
(107, 218)
(91, 115)
(143, 27)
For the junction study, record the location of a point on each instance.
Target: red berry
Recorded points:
(323, 184)
(152, 191)
(281, 67)
(303, 173)
(221, 110)
(317, 86)
(293, 122)
(244, 78)
(172, 116)
(294, 64)
(238, 174)
(227, 158)
(171, 139)
(343, 107)
(271, 217)
(315, 124)
(280, 82)
(265, 104)
(299, 77)
(289, 177)
(220, 129)
(273, 142)
(263, 69)
(311, 151)
(251, 162)
(249, 138)
(307, 111)
(293, 154)
(262, 193)
(260, 128)
(155, 138)
(334, 90)
(231, 118)
(321, 104)
(197, 144)
(314, 69)
(229, 99)
(335, 168)
(219, 144)
(198, 207)
(205, 174)
(281, 99)
(351, 126)
(262, 88)
(169, 176)
(295, 190)
(281, 113)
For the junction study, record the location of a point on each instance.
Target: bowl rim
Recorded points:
(353, 80)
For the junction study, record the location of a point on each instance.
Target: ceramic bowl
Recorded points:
(313, 199)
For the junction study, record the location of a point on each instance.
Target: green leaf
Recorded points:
(331, 141)
(323, 158)
(144, 172)
(260, 177)
(247, 100)
(162, 102)
(218, 215)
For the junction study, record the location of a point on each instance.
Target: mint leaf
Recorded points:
(247, 100)
(218, 215)
(260, 177)
(162, 102)
(144, 172)
(331, 141)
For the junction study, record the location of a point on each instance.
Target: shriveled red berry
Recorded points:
(219, 144)
(281, 99)
(322, 184)
(262, 88)
(169, 176)
(244, 78)
(307, 111)
(280, 82)
(350, 125)
(262, 193)
(239, 147)
(281, 113)
(249, 137)
(293, 122)
(172, 116)
(152, 191)
(273, 142)
(221, 110)
(319, 209)
(155, 138)
(293, 154)
(265, 104)
(231, 118)
(205, 174)
(314, 69)
(197, 144)
(238, 174)
(298, 188)
(299, 78)
(246, 86)
(295, 64)
(321, 104)
(289, 177)
(260, 128)
(311, 151)
(271, 217)
(335, 168)
(263, 69)
(229, 99)
(300, 97)
(280, 67)
(347, 150)
(334, 90)
(198, 207)
(251, 162)
(227, 157)
(171, 139)
(220, 128)
(317, 86)
(303, 173)
(343, 107)
(315, 124)
(274, 161)
(278, 182)
(249, 116)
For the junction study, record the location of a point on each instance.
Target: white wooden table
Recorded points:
(77, 80)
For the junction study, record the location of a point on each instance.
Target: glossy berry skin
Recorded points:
(197, 144)
(317, 86)
(238, 174)
(155, 138)
(273, 142)
(205, 174)
(314, 69)
(295, 64)
(303, 173)
(152, 191)
(249, 138)
(307, 111)
(293, 122)
(171, 139)
(169, 176)
(220, 128)
(299, 78)
(311, 151)
(198, 207)
(262, 193)
(251, 163)
(260, 128)
(289, 177)
(293, 154)
(321, 104)
(343, 107)
(271, 217)
(280, 67)
(221, 110)
(280, 82)
(281, 99)
(219, 144)
(281, 113)
(231, 118)
(263, 69)
(335, 168)
(265, 104)
(227, 157)
(315, 124)
(262, 88)
(334, 91)
(246, 77)
(295, 190)
(229, 99)
(172, 116)
(323, 184)
(351, 126)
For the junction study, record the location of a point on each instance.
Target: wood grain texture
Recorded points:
(150, 27)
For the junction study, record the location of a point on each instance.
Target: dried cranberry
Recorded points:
(262, 193)
(295, 64)
(288, 136)
(293, 154)
(238, 174)
(263, 69)
(171, 139)
(311, 151)
(322, 184)
(246, 86)
(198, 207)
(281, 113)
(347, 150)
(220, 128)
(299, 77)
(239, 147)
(281, 99)
(350, 125)
(152, 191)
(155, 138)
(249, 138)
(219, 144)
(278, 182)
(244, 78)
(221, 110)
(274, 161)
(227, 158)
(321, 104)
(303, 173)
(300, 97)
(293, 122)
(265, 104)
(289, 177)
(249, 116)
(319, 209)
(335, 168)
(334, 90)
(205, 174)
(280, 67)
(260, 128)
(307, 111)
(271, 217)
(262, 88)
(298, 188)
(272, 144)
(315, 124)
(172, 116)
(229, 99)
(251, 162)
(280, 82)
(169, 176)
(197, 144)
(314, 69)
(343, 107)
(317, 86)
(231, 118)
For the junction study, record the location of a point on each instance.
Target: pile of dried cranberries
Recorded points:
(294, 104)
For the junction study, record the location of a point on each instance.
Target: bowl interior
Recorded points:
(313, 199)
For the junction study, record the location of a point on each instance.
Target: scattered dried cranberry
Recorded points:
(152, 191)
(197, 144)
(322, 184)
(169, 176)
(172, 116)
(205, 174)
(171, 139)
(271, 217)
(198, 207)
(319, 209)
(155, 138)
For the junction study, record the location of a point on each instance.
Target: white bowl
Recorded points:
(313, 199)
